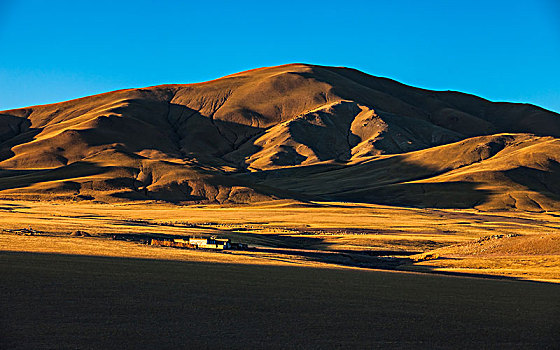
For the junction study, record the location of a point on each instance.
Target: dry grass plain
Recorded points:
(525, 245)
(314, 282)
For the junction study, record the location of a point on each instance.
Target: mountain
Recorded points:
(297, 131)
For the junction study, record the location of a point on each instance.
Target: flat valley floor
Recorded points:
(82, 302)
(327, 275)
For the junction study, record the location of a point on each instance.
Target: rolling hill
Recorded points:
(297, 131)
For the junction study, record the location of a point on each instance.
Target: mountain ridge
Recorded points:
(207, 143)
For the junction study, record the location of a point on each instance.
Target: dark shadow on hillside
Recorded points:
(326, 132)
(14, 131)
(444, 195)
(214, 139)
(22, 178)
(213, 188)
(385, 181)
(546, 183)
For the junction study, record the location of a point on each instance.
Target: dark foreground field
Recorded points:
(71, 302)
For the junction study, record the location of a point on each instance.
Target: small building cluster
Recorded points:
(198, 243)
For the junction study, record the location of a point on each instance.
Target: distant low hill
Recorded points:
(297, 131)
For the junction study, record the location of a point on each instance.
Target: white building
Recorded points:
(212, 243)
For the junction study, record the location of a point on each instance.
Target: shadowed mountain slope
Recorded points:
(296, 131)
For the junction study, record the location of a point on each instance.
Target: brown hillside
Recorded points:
(296, 131)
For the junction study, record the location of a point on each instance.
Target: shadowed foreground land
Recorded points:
(64, 301)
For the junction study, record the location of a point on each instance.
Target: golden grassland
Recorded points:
(525, 245)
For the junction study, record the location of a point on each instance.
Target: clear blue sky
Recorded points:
(52, 51)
